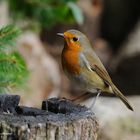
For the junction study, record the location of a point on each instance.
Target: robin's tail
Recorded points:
(121, 96)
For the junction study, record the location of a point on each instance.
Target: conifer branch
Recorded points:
(7, 35)
(13, 71)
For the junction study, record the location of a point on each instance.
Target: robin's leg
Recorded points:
(81, 96)
(94, 101)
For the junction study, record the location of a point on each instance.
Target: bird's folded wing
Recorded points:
(94, 64)
(103, 74)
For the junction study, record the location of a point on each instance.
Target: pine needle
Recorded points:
(7, 36)
(13, 70)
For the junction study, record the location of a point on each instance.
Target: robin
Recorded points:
(84, 68)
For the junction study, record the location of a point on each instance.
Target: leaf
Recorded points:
(77, 13)
(45, 13)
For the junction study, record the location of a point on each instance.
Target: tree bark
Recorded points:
(59, 119)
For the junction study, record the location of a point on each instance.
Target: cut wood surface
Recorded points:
(59, 119)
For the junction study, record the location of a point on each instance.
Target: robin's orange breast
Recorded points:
(70, 61)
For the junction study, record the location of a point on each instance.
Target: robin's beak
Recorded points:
(60, 34)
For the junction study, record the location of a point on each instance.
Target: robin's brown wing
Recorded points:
(103, 74)
(93, 63)
(115, 90)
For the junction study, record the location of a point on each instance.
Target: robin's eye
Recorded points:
(75, 39)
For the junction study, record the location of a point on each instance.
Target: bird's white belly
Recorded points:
(82, 83)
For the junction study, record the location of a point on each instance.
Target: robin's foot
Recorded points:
(94, 100)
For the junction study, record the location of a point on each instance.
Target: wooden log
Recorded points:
(59, 119)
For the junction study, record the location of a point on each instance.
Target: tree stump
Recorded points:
(59, 119)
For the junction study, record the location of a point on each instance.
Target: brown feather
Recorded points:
(105, 76)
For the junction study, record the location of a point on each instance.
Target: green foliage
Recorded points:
(76, 12)
(7, 35)
(13, 71)
(46, 13)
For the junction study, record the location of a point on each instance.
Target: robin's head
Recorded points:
(74, 39)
